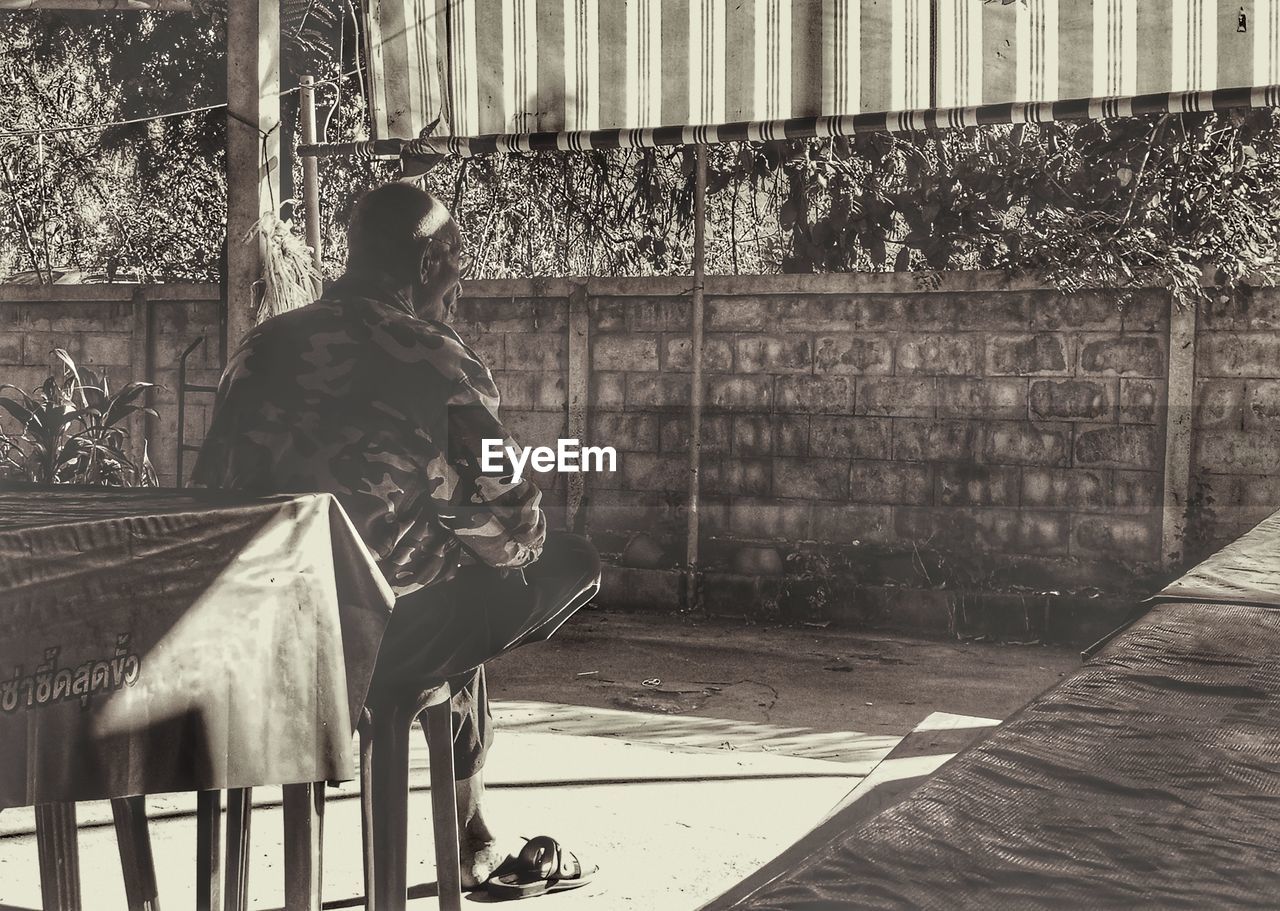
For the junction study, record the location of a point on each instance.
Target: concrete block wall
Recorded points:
(1236, 448)
(130, 332)
(982, 415)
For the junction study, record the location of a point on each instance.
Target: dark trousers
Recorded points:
(448, 630)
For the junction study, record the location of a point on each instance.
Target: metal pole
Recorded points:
(310, 172)
(695, 392)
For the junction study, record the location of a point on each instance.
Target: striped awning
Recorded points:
(608, 73)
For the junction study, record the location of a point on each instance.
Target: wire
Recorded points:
(102, 127)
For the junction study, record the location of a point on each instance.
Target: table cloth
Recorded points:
(163, 640)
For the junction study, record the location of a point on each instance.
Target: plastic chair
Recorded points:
(384, 798)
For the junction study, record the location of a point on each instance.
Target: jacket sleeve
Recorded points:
(497, 519)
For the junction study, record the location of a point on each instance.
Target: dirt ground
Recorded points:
(822, 679)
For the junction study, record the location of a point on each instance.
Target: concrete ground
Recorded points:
(680, 754)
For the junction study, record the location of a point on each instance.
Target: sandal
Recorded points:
(540, 868)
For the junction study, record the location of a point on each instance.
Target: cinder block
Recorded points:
(1141, 401)
(1024, 443)
(491, 348)
(993, 398)
(736, 313)
(978, 485)
(774, 354)
(791, 434)
(897, 396)
(533, 391)
(639, 589)
(26, 378)
(1243, 354)
(725, 476)
(758, 561)
(1238, 452)
(1262, 404)
(1147, 311)
(537, 428)
(607, 314)
(937, 441)
(1244, 310)
(1095, 310)
(815, 395)
(625, 431)
(717, 353)
(99, 349)
(1219, 404)
(38, 347)
(745, 393)
(890, 483)
(813, 314)
(620, 510)
(853, 354)
(540, 351)
(752, 435)
(1138, 491)
(624, 352)
(10, 315)
(757, 519)
(1120, 446)
(658, 314)
(851, 437)
(918, 312)
(846, 523)
(653, 471)
(646, 391)
(11, 347)
(1118, 538)
(811, 478)
(1128, 355)
(714, 433)
(608, 390)
(1065, 488)
(939, 355)
(999, 311)
(66, 317)
(1072, 400)
(1041, 354)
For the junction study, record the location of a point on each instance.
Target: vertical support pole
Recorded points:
(311, 173)
(579, 386)
(253, 149)
(695, 392)
(136, 861)
(59, 854)
(303, 845)
(239, 819)
(1178, 429)
(208, 851)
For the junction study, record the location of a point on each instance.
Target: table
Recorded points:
(162, 640)
(1149, 779)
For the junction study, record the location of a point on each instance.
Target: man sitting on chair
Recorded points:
(368, 394)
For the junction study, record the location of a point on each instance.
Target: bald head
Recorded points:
(407, 236)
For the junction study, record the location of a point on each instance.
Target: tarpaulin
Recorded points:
(175, 640)
(1247, 571)
(483, 75)
(1149, 779)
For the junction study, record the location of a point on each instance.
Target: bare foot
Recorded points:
(480, 857)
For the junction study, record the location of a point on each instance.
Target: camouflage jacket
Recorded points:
(356, 396)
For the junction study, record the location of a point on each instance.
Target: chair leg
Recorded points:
(390, 810)
(59, 856)
(208, 850)
(365, 730)
(136, 862)
(444, 801)
(239, 816)
(303, 845)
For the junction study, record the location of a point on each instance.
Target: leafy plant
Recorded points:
(72, 431)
